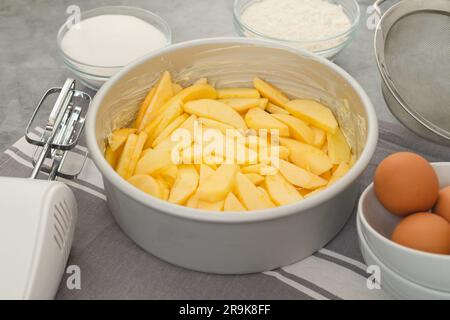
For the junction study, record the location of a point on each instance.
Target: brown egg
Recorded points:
(424, 231)
(442, 206)
(406, 183)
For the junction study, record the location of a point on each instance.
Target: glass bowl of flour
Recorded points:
(101, 41)
(324, 27)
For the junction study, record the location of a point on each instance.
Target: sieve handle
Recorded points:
(376, 6)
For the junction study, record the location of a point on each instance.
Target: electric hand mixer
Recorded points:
(38, 217)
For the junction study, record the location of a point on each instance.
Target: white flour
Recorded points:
(112, 40)
(299, 20)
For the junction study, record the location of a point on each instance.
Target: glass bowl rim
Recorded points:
(82, 73)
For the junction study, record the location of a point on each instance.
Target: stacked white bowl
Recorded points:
(405, 273)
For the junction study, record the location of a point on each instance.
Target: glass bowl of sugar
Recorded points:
(100, 42)
(324, 27)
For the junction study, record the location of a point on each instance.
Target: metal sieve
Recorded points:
(412, 48)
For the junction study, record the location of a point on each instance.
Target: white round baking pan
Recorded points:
(240, 242)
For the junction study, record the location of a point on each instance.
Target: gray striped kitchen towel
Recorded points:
(113, 267)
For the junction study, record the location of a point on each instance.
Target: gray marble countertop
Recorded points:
(29, 61)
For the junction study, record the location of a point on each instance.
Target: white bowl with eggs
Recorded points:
(233, 242)
(392, 282)
(377, 225)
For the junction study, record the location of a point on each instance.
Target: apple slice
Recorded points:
(263, 103)
(259, 168)
(169, 129)
(185, 184)
(268, 153)
(144, 152)
(283, 152)
(300, 177)
(192, 202)
(168, 116)
(147, 184)
(320, 137)
(205, 173)
(215, 110)
(212, 161)
(142, 138)
(125, 159)
(265, 195)
(169, 174)
(316, 182)
(241, 105)
(237, 93)
(116, 141)
(326, 175)
(270, 92)
(260, 119)
(314, 113)
(255, 178)
(164, 187)
(233, 150)
(119, 136)
(186, 129)
(232, 203)
(307, 156)
(219, 184)
(154, 161)
(113, 156)
(338, 148)
(274, 109)
(197, 91)
(249, 195)
(340, 171)
(281, 191)
(297, 128)
(213, 124)
(143, 107)
(294, 174)
(164, 91)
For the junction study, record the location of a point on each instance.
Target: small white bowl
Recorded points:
(377, 224)
(393, 283)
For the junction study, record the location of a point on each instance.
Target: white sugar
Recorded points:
(111, 40)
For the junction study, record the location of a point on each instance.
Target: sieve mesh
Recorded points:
(417, 55)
